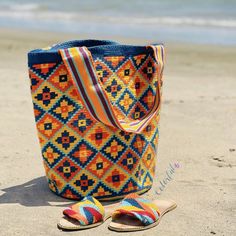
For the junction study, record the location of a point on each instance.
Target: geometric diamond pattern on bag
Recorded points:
(148, 69)
(38, 112)
(44, 70)
(102, 191)
(60, 79)
(64, 109)
(48, 125)
(147, 98)
(51, 154)
(56, 182)
(67, 169)
(99, 165)
(103, 71)
(139, 174)
(124, 136)
(83, 153)
(65, 139)
(115, 178)
(130, 186)
(81, 122)
(126, 71)
(85, 157)
(138, 85)
(139, 144)
(114, 88)
(129, 160)
(46, 96)
(98, 135)
(126, 102)
(137, 112)
(147, 181)
(35, 80)
(139, 59)
(114, 61)
(150, 130)
(114, 149)
(84, 182)
(148, 156)
(70, 192)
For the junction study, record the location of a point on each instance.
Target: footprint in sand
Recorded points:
(220, 162)
(166, 101)
(218, 159)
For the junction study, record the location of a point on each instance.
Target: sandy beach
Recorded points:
(197, 134)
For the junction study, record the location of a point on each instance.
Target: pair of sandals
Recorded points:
(133, 213)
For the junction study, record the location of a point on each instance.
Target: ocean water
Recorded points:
(201, 22)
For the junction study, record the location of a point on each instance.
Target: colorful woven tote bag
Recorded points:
(96, 106)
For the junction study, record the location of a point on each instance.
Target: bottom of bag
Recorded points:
(101, 198)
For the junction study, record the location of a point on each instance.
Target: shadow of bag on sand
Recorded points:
(32, 193)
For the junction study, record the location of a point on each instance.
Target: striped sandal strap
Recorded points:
(142, 209)
(87, 211)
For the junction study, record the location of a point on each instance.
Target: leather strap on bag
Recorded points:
(80, 66)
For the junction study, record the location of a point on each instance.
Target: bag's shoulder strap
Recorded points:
(80, 66)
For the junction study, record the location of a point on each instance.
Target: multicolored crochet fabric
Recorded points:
(87, 211)
(140, 208)
(82, 156)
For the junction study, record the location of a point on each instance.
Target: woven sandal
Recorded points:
(85, 214)
(135, 213)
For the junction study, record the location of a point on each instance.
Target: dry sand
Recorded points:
(197, 130)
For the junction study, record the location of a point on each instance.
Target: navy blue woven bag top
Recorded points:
(96, 106)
